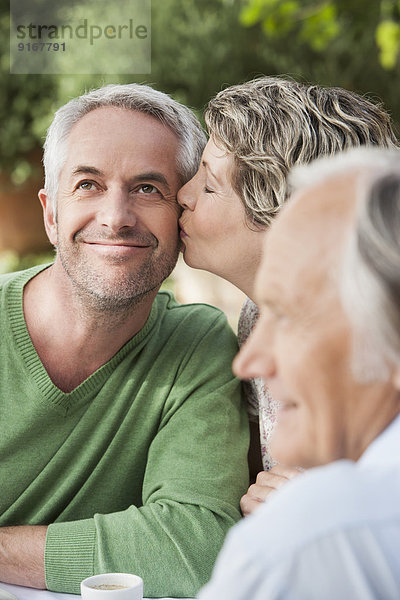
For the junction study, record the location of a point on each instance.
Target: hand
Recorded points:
(266, 483)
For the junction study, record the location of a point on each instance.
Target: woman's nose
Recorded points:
(187, 196)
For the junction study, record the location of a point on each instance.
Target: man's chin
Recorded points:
(116, 283)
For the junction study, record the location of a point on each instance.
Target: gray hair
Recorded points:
(270, 124)
(369, 277)
(132, 96)
(363, 159)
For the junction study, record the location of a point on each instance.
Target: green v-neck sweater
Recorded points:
(141, 467)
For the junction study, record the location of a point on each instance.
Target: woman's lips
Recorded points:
(182, 232)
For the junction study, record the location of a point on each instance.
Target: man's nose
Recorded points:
(255, 358)
(186, 195)
(117, 210)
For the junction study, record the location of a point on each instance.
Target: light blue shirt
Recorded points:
(332, 533)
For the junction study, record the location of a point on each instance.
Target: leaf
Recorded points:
(255, 10)
(388, 41)
(321, 28)
(290, 8)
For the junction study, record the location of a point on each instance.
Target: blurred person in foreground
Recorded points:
(258, 131)
(328, 345)
(118, 405)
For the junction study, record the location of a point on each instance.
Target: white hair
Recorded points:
(369, 282)
(371, 278)
(132, 96)
(323, 169)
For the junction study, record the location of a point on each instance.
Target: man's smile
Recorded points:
(120, 249)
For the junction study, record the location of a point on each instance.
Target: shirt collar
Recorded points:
(385, 448)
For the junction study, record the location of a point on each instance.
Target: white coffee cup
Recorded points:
(112, 586)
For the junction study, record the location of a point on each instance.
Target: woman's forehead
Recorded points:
(218, 162)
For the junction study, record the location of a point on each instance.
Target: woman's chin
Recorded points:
(193, 260)
(189, 260)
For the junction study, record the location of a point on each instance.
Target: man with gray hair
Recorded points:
(124, 442)
(328, 343)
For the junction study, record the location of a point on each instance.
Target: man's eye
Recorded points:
(148, 189)
(87, 186)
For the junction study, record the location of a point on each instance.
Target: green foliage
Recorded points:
(329, 42)
(388, 34)
(28, 103)
(388, 41)
(320, 22)
(320, 27)
(11, 261)
(314, 22)
(200, 46)
(23, 100)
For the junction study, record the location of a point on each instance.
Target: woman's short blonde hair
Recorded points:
(270, 124)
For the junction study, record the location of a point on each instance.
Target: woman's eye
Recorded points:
(148, 189)
(207, 190)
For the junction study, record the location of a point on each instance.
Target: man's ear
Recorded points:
(50, 223)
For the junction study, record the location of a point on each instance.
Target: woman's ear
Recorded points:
(50, 222)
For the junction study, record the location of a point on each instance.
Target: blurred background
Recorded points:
(198, 48)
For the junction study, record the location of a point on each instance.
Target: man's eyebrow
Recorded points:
(151, 176)
(207, 166)
(86, 169)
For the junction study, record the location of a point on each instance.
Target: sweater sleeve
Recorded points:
(196, 473)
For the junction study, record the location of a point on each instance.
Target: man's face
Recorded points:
(116, 230)
(301, 344)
